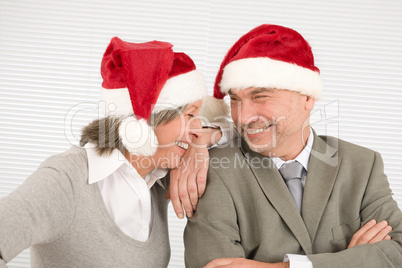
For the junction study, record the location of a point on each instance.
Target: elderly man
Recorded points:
(281, 191)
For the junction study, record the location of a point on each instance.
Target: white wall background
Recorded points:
(50, 52)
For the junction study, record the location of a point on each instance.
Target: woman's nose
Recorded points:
(195, 127)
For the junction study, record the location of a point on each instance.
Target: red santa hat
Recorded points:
(140, 79)
(269, 56)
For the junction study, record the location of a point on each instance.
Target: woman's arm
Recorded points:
(188, 181)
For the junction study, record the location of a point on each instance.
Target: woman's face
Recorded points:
(176, 136)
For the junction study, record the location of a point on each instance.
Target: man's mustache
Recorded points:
(256, 125)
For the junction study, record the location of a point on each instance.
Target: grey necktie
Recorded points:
(291, 173)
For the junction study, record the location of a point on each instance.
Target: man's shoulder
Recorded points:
(228, 164)
(229, 149)
(348, 149)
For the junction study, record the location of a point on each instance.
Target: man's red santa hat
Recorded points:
(269, 56)
(140, 79)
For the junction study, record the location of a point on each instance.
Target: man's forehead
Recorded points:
(250, 90)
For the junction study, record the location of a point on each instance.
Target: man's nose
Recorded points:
(248, 112)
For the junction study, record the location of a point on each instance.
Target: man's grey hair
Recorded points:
(104, 132)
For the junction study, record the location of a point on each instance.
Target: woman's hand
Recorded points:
(188, 181)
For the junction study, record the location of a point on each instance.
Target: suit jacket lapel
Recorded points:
(276, 191)
(322, 171)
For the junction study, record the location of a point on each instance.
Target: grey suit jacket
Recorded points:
(247, 210)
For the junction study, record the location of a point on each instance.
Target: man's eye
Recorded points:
(234, 102)
(260, 96)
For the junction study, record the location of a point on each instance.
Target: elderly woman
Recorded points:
(102, 204)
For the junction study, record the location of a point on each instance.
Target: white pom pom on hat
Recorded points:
(137, 134)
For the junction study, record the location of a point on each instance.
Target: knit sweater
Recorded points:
(65, 222)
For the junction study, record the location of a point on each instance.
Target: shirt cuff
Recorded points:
(298, 261)
(229, 132)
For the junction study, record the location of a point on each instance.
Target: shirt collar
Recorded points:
(100, 167)
(155, 176)
(304, 156)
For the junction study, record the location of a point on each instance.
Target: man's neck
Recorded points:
(297, 145)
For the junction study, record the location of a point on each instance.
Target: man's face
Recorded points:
(271, 120)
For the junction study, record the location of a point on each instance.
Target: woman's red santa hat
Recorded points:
(140, 79)
(269, 56)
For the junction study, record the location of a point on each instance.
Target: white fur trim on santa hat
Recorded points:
(181, 90)
(214, 110)
(138, 137)
(115, 102)
(177, 91)
(269, 73)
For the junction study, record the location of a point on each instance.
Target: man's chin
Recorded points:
(259, 148)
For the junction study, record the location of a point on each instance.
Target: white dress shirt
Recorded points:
(303, 158)
(126, 194)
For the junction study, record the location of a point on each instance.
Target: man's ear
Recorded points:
(310, 102)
